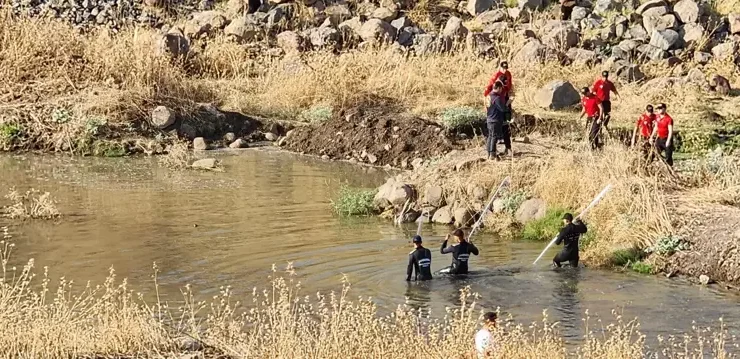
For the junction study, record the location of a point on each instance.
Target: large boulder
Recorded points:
(560, 35)
(463, 217)
(557, 95)
(443, 215)
(665, 40)
(290, 42)
(325, 37)
(734, 20)
(652, 17)
(454, 29)
(532, 52)
(531, 209)
(377, 30)
(242, 29)
(688, 11)
(162, 117)
(205, 23)
(434, 196)
(393, 193)
(475, 7)
(580, 56)
(725, 51)
(173, 44)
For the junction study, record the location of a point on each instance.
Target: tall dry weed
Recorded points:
(31, 204)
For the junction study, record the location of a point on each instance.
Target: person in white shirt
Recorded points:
(484, 339)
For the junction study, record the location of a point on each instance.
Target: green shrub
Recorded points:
(317, 114)
(109, 149)
(513, 199)
(511, 3)
(61, 116)
(354, 202)
(666, 246)
(457, 117)
(9, 131)
(94, 126)
(642, 268)
(545, 228)
(697, 141)
(623, 257)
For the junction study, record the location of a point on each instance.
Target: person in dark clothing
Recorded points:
(569, 236)
(593, 111)
(566, 9)
(506, 128)
(420, 262)
(495, 118)
(460, 253)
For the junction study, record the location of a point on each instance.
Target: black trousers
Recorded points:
(594, 136)
(565, 12)
(607, 105)
(660, 146)
(495, 133)
(566, 256)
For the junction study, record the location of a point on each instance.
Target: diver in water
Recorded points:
(420, 261)
(569, 236)
(460, 253)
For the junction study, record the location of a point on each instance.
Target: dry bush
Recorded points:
(178, 156)
(31, 204)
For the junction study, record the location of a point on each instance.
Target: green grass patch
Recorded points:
(109, 149)
(317, 114)
(354, 202)
(513, 199)
(624, 257)
(459, 117)
(545, 228)
(642, 267)
(668, 245)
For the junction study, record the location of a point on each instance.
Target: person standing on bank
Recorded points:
(566, 9)
(663, 130)
(420, 262)
(569, 236)
(593, 110)
(503, 70)
(460, 253)
(603, 89)
(644, 127)
(495, 118)
(484, 344)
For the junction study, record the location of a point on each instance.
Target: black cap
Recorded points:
(504, 64)
(417, 239)
(661, 106)
(605, 73)
(649, 108)
(585, 90)
(568, 217)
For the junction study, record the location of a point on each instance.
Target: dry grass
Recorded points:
(178, 156)
(32, 204)
(280, 321)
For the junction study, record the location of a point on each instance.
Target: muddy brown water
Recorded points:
(214, 229)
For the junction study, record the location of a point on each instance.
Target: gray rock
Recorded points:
(628, 45)
(401, 22)
(665, 40)
(734, 20)
(173, 44)
(619, 53)
(531, 209)
(371, 158)
(277, 15)
(242, 30)
(205, 23)
(561, 36)
(491, 17)
(691, 33)
(323, 37)
(351, 26)
(392, 193)
(189, 344)
(238, 7)
(238, 143)
(696, 77)
(532, 52)
(688, 11)
(651, 52)
(385, 14)
(498, 205)
(377, 30)
(338, 13)
(290, 42)
(579, 13)
(480, 43)
(652, 17)
(649, 5)
(704, 279)
(702, 58)
(405, 37)
(199, 144)
(229, 137)
(720, 84)
(454, 29)
(581, 56)
(463, 217)
(162, 117)
(271, 136)
(475, 7)
(497, 30)
(205, 164)
(519, 15)
(443, 215)
(602, 6)
(637, 32)
(725, 51)
(530, 5)
(557, 95)
(424, 43)
(630, 73)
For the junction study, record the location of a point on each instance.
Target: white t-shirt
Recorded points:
(483, 342)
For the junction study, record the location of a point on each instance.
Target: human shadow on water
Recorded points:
(566, 300)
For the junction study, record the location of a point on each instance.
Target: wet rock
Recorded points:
(532, 52)
(688, 11)
(704, 279)
(734, 20)
(199, 144)
(475, 7)
(720, 84)
(463, 217)
(162, 117)
(443, 215)
(454, 29)
(377, 30)
(531, 209)
(702, 58)
(557, 95)
(665, 40)
(290, 42)
(238, 143)
(205, 164)
(724, 51)
(492, 17)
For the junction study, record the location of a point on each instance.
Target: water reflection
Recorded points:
(566, 295)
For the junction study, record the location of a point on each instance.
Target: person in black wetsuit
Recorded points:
(420, 262)
(569, 236)
(460, 253)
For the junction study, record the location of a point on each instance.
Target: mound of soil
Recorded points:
(374, 138)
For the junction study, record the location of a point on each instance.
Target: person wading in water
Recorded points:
(420, 262)
(569, 236)
(460, 253)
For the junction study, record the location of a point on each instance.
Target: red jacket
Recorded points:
(603, 89)
(507, 88)
(591, 105)
(645, 123)
(662, 123)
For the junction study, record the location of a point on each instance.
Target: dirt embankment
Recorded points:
(375, 137)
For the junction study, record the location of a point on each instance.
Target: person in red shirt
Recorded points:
(503, 70)
(594, 111)
(603, 89)
(644, 126)
(663, 130)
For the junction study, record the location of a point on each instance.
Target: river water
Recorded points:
(213, 229)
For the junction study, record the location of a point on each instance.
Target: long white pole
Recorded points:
(477, 224)
(591, 205)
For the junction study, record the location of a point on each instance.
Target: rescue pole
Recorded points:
(488, 206)
(591, 205)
